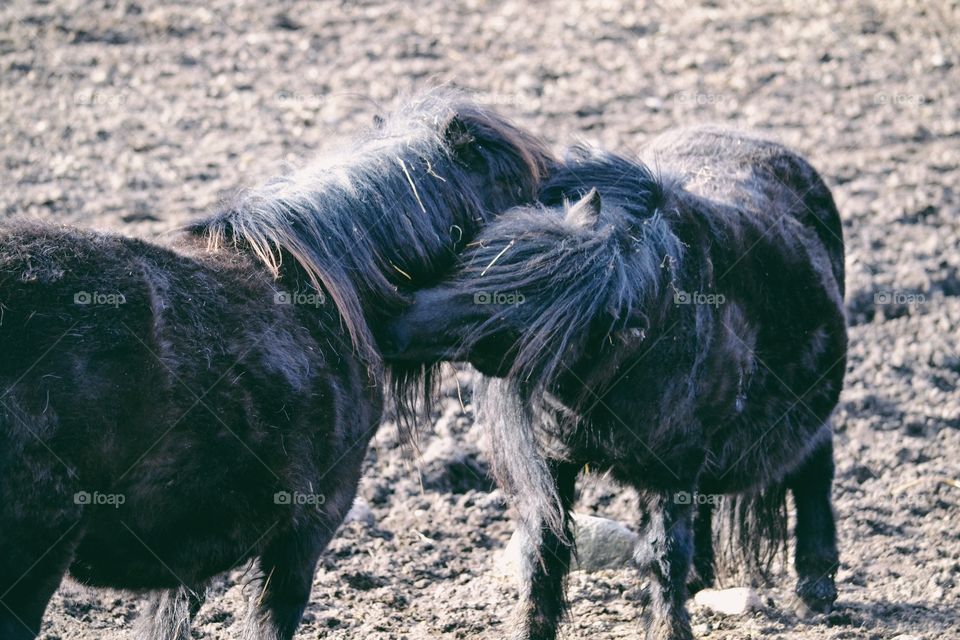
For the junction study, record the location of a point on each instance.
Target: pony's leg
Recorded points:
(287, 564)
(665, 553)
(816, 559)
(197, 598)
(39, 529)
(703, 575)
(544, 563)
(168, 613)
(31, 569)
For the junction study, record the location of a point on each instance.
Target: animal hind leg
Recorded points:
(703, 575)
(544, 564)
(39, 530)
(816, 559)
(26, 590)
(665, 553)
(287, 564)
(35, 557)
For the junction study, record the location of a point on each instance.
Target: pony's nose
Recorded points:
(394, 340)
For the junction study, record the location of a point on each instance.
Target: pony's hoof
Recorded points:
(819, 595)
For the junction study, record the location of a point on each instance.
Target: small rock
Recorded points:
(601, 544)
(730, 602)
(284, 21)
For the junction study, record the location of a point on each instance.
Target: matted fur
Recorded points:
(196, 383)
(686, 333)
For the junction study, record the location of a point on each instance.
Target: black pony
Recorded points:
(687, 333)
(168, 412)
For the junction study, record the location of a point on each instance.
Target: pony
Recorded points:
(684, 331)
(169, 411)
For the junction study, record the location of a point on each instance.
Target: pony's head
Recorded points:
(543, 285)
(507, 274)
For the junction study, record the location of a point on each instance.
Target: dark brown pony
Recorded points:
(685, 332)
(168, 412)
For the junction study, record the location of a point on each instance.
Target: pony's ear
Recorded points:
(458, 135)
(586, 211)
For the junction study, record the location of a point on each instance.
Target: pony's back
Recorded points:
(747, 171)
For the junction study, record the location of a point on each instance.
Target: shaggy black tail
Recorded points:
(167, 614)
(750, 536)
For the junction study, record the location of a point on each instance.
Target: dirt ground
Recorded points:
(137, 116)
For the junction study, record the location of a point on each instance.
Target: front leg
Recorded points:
(544, 563)
(665, 553)
(817, 559)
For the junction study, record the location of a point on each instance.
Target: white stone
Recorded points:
(601, 544)
(730, 602)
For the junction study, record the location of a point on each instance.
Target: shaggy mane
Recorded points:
(389, 213)
(583, 273)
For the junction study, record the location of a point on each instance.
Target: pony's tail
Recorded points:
(167, 614)
(750, 536)
(519, 463)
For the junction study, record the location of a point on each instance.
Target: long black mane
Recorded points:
(388, 213)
